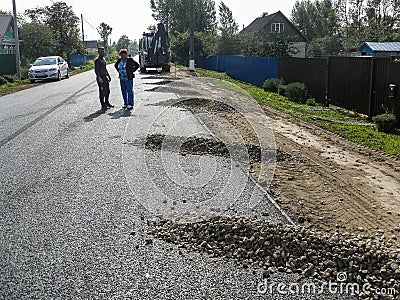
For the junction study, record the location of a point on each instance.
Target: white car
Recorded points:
(49, 67)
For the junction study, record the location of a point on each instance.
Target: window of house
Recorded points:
(278, 27)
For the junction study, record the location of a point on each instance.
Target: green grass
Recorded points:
(9, 85)
(350, 125)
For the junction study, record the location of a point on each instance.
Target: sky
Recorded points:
(132, 18)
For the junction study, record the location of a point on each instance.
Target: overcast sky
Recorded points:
(133, 17)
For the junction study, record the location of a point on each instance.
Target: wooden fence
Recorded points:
(359, 84)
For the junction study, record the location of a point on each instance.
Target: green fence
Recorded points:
(7, 64)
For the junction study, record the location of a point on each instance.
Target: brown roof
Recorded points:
(5, 21)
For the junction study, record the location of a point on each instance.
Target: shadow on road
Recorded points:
(94, 115)
(122, 113)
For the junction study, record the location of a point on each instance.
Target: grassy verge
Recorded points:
(9, 85)
(347, 124)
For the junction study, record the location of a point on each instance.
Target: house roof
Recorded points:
(5, 21)
(383, 47)
(259, 23)
(262, 22)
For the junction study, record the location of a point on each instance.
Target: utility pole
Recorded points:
(83, 40)
(17, 54)
(191, 42)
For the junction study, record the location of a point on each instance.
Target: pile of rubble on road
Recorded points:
(276, 247)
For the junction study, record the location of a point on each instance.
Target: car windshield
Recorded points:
(45, 61)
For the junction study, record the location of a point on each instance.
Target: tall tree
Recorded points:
(37, 40)
(176, 13)
(64, 24)
(104, 31)
(162, 11)
(316, 19)
(123, 43)
(228, 29)
(381, 18)
(134, 47)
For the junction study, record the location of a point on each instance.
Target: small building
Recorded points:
(380, 49)
(278, 23)
(7, 39)
(92, 46)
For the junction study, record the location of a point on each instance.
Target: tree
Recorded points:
(123, 43)
(64, 24)
(162, 11)
(326, 46)
(37, 40)
(228, 41)
(134, 47)
(267, 44)
(205, 45)
(316, 19)
(152, 28)
(175, 14)
(105, 31)
(381, 18)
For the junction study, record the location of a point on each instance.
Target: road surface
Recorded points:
(76, 192)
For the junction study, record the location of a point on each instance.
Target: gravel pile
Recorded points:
(276, 247)
(209, 146)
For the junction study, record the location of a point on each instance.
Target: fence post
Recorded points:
(327, 94)
(371, 88)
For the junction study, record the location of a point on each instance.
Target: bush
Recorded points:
(311, 102)
(10, 78)
(296, 92)
(385, 122)
(272, 85)
(24, 73)
(282, 90)
(2, 80)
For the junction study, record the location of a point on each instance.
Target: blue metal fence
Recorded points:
(248, 69)
(77, 60)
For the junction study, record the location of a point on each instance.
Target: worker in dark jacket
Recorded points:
(103, 79)
(126, 67)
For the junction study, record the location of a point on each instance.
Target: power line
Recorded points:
(89, 24)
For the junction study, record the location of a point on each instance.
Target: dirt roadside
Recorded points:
(324, 181)
(333, 184)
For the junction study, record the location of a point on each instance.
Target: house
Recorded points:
(92, 46)
(380, 49)
(278, 22)
(7, 40)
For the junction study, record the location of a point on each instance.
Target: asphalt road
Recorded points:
(75, 195)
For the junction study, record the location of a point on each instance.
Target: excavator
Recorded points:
(154, 50)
